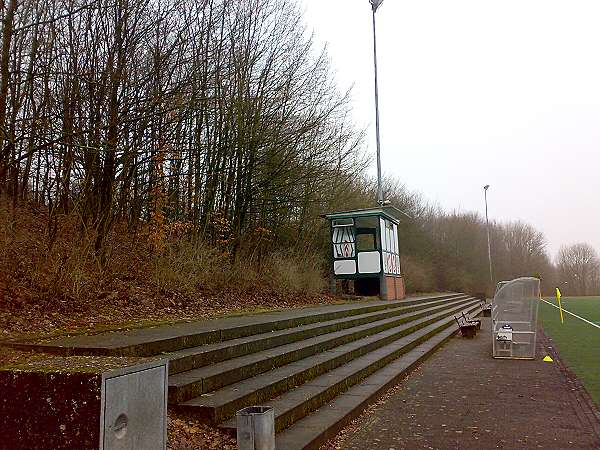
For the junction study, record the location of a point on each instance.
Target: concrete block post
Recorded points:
(84, 402)
(383, 289)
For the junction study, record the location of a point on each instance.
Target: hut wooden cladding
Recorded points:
(365, 246)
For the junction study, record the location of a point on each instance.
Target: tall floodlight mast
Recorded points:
(374, 5)
(487, 222)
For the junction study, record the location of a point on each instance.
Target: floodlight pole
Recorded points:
(374, 5)
(487, 222)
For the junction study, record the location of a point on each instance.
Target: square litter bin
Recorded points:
(84, 403)
(256, 428)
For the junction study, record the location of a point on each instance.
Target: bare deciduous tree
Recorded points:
(232, 99)
(579, 267)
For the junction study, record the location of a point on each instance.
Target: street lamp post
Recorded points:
(487, 222)
(374, 5)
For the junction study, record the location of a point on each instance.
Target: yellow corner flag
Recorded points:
(558, 296)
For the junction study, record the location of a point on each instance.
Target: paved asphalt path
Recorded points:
(462, 398)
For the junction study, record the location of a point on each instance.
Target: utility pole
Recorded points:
(487, 222)
(374, 5)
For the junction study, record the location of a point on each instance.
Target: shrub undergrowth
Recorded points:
(59, 269)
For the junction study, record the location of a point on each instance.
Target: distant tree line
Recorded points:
(578, 270)
(449, 250)
(220, 117)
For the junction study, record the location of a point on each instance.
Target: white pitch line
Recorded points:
(574, 315)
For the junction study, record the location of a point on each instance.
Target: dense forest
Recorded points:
(200, 141)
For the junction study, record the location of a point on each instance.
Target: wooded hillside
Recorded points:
(194, 144)
(170, 112)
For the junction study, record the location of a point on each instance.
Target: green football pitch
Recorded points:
(578, 342)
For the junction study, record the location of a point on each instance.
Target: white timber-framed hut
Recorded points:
(365, 249)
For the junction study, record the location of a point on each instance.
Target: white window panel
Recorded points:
(368, 262)
(343, 222)
(344, 267)
(383, 234)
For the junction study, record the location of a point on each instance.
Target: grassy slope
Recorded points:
(52, 282)
(578, 342)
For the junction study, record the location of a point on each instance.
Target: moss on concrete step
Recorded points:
(301, 401)
(167, 338)
(190, 384)
(222, 404)
(314, 430)
(193, 358)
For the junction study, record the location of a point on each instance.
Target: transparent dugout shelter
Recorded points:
(514, 318)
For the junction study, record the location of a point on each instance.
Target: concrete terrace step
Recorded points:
(151, 341)
(195, 357)
(186, 385)
(313, 430)
(222, 404)
(301, 401)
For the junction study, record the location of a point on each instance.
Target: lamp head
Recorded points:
(485, 188)
(375, 4)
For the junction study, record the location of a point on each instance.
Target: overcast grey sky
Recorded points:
(476, 92)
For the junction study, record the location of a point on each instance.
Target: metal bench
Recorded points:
(476, 322)
(467, 329)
